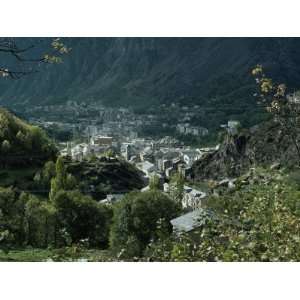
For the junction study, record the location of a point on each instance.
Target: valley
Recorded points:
(149, 149)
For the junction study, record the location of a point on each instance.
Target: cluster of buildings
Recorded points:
(88, 118)
(294, 98)
(164, 156)
(121, 130)
(97, 145)
(161, 157)
(186, 128)
(232, 127)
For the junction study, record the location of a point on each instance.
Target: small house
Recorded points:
(191, 221)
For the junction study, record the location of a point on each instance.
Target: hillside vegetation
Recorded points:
(257, 220)
(22, 144)
(103, 176)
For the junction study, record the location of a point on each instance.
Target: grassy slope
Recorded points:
(42, 255)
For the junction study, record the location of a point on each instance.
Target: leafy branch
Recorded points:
(26, 63)
(284, 108)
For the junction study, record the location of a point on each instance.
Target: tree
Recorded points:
(110, 153)
(83, 218)
(176, 187)
(40, 222)
(154, 182)
(20, 137)
(12, 216)
(5, 147)
(136, 218)
(61, 173)
(25, 220)
(25, 57)
(284, 109)
(71, 182)
(48, 172)
(43, 177)
(62, 179)
(59, 182)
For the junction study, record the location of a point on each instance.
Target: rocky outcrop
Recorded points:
(263, 145)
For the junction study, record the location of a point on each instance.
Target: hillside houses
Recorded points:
(190, 156)
(186, 128)
(147, 167)
(152, 157)
(294, 98)
(96, 146)
(165, 160)
(147, 154)
(192, 198)
(100, 140)
(128, 151)
(232, 127)
(166, 155)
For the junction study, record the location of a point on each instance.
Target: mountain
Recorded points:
(211, 72)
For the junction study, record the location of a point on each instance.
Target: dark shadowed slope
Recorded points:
(144, 71)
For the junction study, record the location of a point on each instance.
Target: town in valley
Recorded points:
(93, 130)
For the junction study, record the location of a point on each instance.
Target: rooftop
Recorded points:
(191, 220)
(146, 165)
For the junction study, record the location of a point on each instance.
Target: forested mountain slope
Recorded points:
(122, 71)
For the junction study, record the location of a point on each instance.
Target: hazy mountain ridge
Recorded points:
(144, 71)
